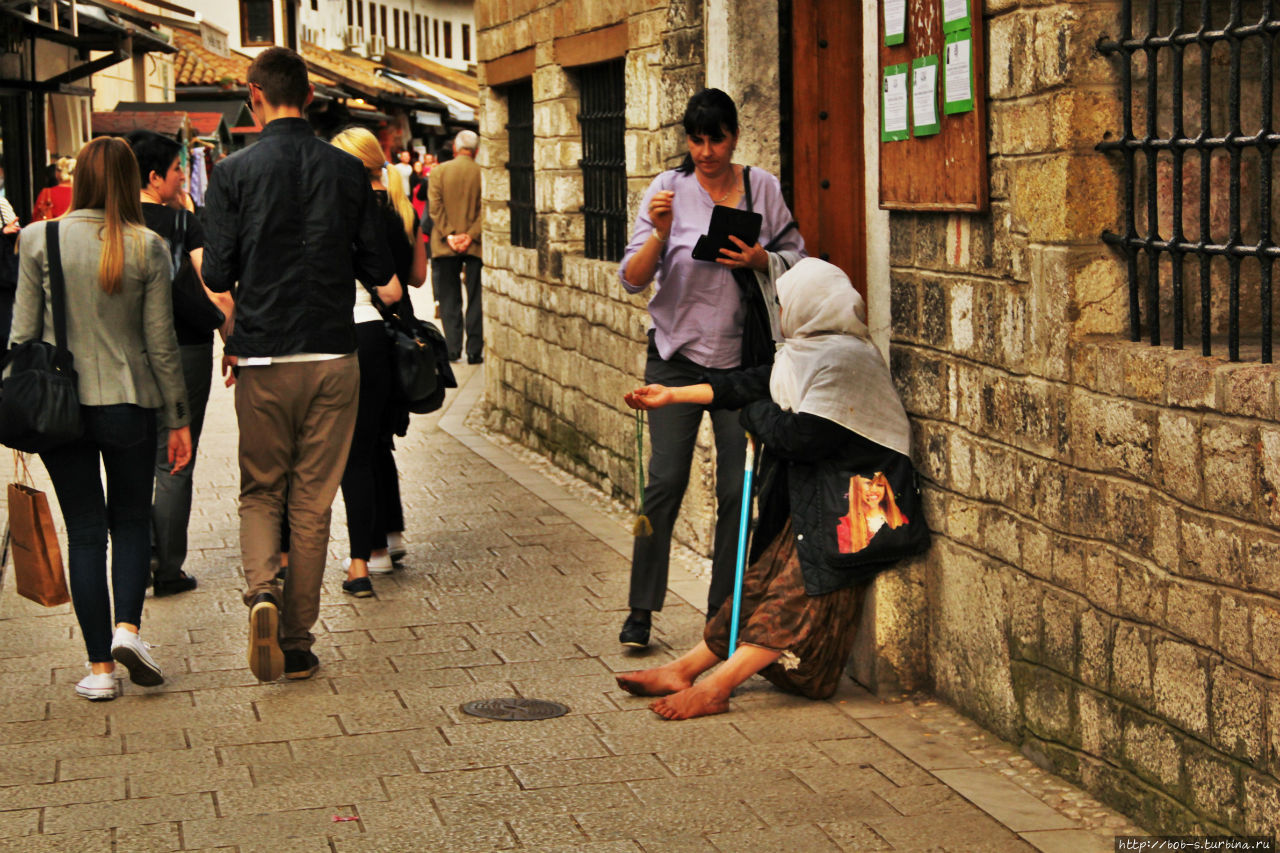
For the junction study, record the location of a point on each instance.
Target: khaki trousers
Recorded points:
(296, 421)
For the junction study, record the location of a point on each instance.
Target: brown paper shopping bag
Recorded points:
(33, 543)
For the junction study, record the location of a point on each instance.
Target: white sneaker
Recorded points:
(395, 546)
(128, 648)
(97, 686)
(380, 565)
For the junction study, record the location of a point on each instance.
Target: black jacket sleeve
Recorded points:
(794, 437)
(221, 265)
(734, 390)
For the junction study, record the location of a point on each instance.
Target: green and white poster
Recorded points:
(924, 96)
(955, 15)
(957, 73)
(895, 21)
(893, 104)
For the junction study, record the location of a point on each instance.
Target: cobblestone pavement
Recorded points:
(514, 586)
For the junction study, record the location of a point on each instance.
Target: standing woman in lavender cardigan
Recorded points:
(696, 330)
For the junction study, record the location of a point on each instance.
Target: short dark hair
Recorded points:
(709, 113)
(155, 153)
(282, 76)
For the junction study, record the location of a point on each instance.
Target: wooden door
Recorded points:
(828, 164)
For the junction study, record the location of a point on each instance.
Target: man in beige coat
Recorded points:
(453, 195)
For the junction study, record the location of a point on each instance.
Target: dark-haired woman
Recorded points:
(119, 320)
(160, 170)
(696, 328)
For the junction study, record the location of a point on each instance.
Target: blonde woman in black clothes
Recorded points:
(369, 484)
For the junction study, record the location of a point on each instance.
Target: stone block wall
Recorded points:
(564, 341)
(1105, 584)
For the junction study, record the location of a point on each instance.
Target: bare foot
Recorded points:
(696, 701)
(659, 681)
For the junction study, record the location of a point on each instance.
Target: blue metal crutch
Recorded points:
(744, 523)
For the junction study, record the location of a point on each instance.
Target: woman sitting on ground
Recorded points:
(826, 408)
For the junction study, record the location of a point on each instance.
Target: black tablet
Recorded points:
(742, 224)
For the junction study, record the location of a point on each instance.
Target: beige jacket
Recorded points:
(453, 193)
(124, 344)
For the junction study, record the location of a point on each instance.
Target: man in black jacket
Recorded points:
(291, 224)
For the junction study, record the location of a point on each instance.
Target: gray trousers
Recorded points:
(446, 281)
(673, 433)
(171, 507)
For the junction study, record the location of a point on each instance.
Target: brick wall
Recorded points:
(1104, 585)
(564, 341)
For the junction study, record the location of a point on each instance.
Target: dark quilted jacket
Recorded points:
(800, 450)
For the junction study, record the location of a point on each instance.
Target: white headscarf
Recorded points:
(827, 365)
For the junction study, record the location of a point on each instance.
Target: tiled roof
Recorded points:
(196, 66)
(356, 72)
(205, 124)
(119, 123)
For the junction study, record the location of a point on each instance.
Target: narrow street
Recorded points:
(513, 586)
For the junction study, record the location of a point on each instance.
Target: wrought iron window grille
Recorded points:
(520, 164)
(1183, 126)
(602, 121)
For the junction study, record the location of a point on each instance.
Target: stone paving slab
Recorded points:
(514, 585)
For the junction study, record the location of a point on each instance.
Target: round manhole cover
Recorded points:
(515, 709)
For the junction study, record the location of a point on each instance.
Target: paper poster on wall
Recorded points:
(957, 73)
(893, 104)
(955, 15)
(895, 21)
(924, 96)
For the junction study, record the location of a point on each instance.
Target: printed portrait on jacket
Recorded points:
(872, 508)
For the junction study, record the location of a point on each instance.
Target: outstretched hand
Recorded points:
(650, 397)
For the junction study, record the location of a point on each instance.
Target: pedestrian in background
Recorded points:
(696, 328)
(160, 170)
(119, 322)
(454, 205)
(291, 223)
(55, 199)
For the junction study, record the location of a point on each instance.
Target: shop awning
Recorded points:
(457, 110)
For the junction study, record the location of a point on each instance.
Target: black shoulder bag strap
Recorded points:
(57, 285)
(746, 189)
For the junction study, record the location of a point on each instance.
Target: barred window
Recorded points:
(520, 163)
(1197, 147)
(604, 163)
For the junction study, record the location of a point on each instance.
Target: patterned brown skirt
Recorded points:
(814, 632)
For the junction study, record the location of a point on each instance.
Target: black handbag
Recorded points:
(40, 400)
(420, 358)
(872, 513)
(191, 305)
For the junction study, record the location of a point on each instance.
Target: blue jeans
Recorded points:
(123, 437)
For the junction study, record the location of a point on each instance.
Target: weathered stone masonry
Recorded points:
(1104, 584)
(565, 341)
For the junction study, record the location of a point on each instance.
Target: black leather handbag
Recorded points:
(420, 358)
(191, 305)
(40, 400)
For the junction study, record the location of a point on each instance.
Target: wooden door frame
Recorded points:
(799, 78)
